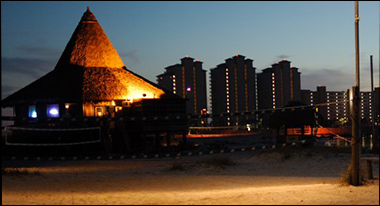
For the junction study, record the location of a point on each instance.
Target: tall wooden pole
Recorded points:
(355, 112)
(373, 106)
(357, 52)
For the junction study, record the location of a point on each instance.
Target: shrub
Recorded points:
(177, 167)
(19, 172)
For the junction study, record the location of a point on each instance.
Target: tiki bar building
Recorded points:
(90, 87)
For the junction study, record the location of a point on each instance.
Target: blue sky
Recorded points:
(317, 37)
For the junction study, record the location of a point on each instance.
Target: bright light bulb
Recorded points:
(53, 111)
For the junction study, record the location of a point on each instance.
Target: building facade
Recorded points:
(233, 90)
(278, 85)
(336, 104)
(187, 80)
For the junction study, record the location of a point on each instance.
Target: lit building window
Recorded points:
(32, 112)
(99, 111)
(52, 110)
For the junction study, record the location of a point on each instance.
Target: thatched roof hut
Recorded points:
(89, 70)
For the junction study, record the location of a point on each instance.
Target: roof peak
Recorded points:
(88, 16)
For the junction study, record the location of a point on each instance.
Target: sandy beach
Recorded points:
(295, 178)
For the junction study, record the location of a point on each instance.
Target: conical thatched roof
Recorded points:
(90, 47)
(89, 69)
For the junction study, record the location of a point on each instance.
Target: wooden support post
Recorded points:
(157, 141)
(184, 140)
(369, 169)
(356, 137)
(124, 134)
(169, 140)
(369, 161)
(143, 141)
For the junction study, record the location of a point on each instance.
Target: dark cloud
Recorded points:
(333, 79)
(283, 56)
(130, 55)
(31, 67)
(39, 51)
(7, 90)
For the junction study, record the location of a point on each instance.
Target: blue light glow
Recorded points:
(53, 110)
(32, 112)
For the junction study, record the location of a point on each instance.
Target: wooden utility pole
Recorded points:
(355, 111)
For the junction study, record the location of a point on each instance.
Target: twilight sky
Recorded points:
(317, 37)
